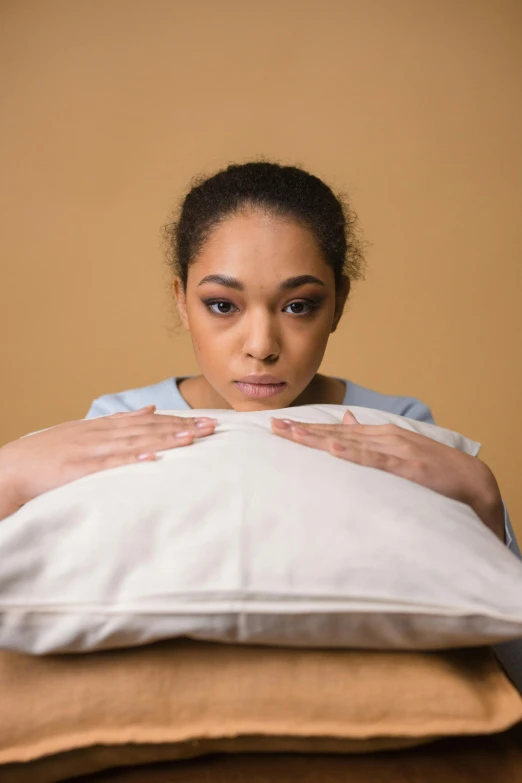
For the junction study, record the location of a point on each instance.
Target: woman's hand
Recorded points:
(48, 459)
(410, 455)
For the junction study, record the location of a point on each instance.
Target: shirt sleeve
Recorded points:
(511, 541)
(419, 411)
(107, 405)
(97, 409)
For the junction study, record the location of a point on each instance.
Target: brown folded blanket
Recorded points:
(491, 759)
(62, 716)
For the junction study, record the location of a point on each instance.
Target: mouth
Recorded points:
(257, 390)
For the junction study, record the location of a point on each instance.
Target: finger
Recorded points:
(114, 461)
(160, 423)
(158, 428)
(323, 429)
(311, 439)
(349, 418)
(197, 424)
(344, 441)
(139, 444)
(181, 419)
(299, 435)
(389, 436)
(139, 412)
(375, 430)
(126, 455)
(338, 442)
(365, 452)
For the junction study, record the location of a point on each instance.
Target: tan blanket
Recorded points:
(62, 716)
(495, 759)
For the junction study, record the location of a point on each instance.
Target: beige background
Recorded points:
(413, 106)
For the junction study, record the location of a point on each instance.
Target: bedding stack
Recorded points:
(250, 594)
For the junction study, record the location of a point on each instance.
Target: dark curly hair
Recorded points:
(285, 191)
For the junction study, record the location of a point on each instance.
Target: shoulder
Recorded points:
(410, 407)
(164, 395)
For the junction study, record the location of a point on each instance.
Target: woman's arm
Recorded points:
(8, 504)
(50, 458)
(508, 653)
(421, 412)
(429, 463)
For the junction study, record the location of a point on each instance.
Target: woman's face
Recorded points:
(261, 300)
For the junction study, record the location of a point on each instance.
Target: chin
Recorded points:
(270, 404)
(251, 406)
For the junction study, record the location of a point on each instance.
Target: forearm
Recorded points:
(492, 515)
(484, 497)
(6, 509)
(8, 501)
(7, 504)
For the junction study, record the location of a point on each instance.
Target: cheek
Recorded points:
(210, 344)
(314, 335)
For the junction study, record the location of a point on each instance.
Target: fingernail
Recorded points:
(205, 420)
(283, 423)
(182, 434)
(204, 423)
(143, 457)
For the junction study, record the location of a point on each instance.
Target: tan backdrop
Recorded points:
(111, 106)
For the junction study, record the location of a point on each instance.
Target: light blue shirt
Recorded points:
(166, 396)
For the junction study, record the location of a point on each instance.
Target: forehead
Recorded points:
(254, 242)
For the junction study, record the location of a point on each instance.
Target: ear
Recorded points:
(340, 300)
(181, 303)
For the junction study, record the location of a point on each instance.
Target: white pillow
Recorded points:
(245, 536)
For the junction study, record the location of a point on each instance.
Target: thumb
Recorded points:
(349, 418)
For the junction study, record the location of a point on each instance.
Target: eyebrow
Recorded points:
(233, 282)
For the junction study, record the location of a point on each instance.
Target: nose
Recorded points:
(261, 336)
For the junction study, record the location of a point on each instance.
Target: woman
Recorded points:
(263, 257)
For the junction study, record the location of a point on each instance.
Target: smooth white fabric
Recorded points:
(248, 537)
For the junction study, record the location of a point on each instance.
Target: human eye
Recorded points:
(309, 306)
(211, 303)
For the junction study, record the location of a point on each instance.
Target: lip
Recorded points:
(264, 388)
(268, 379)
